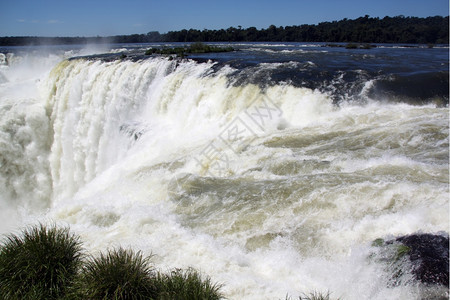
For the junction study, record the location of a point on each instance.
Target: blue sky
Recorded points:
(113, 17)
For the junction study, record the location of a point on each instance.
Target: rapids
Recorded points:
(268, 186)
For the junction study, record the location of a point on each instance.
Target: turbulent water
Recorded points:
(271, 169)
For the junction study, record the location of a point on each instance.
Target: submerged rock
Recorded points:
(133, 130)
(425, 256)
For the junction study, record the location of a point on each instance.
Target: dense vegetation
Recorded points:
(399, 29)
(361, 30)
(39, 264)
(49, 263)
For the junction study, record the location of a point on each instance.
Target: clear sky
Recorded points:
(114, 17)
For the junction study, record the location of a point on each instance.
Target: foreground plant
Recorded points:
(47, 263)
(187, 284)
(313, 296)
(41, 263)
(118, 274)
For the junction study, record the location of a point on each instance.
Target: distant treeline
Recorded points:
(400, 29)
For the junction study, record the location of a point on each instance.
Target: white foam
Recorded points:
(305, 189)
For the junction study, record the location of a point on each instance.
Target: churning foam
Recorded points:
(96, 107)
(268, 190)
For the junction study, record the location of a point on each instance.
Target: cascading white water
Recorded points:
(25, 138)
(98, 111)
(268, 190)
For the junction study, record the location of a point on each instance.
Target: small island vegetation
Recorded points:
(195, 48)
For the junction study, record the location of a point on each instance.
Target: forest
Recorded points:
(399, 30)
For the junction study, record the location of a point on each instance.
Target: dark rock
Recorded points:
(133, 130)
(428, 254)
(424, 255)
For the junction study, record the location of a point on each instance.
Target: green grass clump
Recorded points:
(41, 263)
(118, 274)
(187, 284)
(123, 274)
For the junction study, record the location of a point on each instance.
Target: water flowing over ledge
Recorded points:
(269, 186)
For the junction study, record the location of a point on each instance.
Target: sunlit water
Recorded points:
(271, 170)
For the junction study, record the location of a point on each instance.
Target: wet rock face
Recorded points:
(423, 255)
(428, 254)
